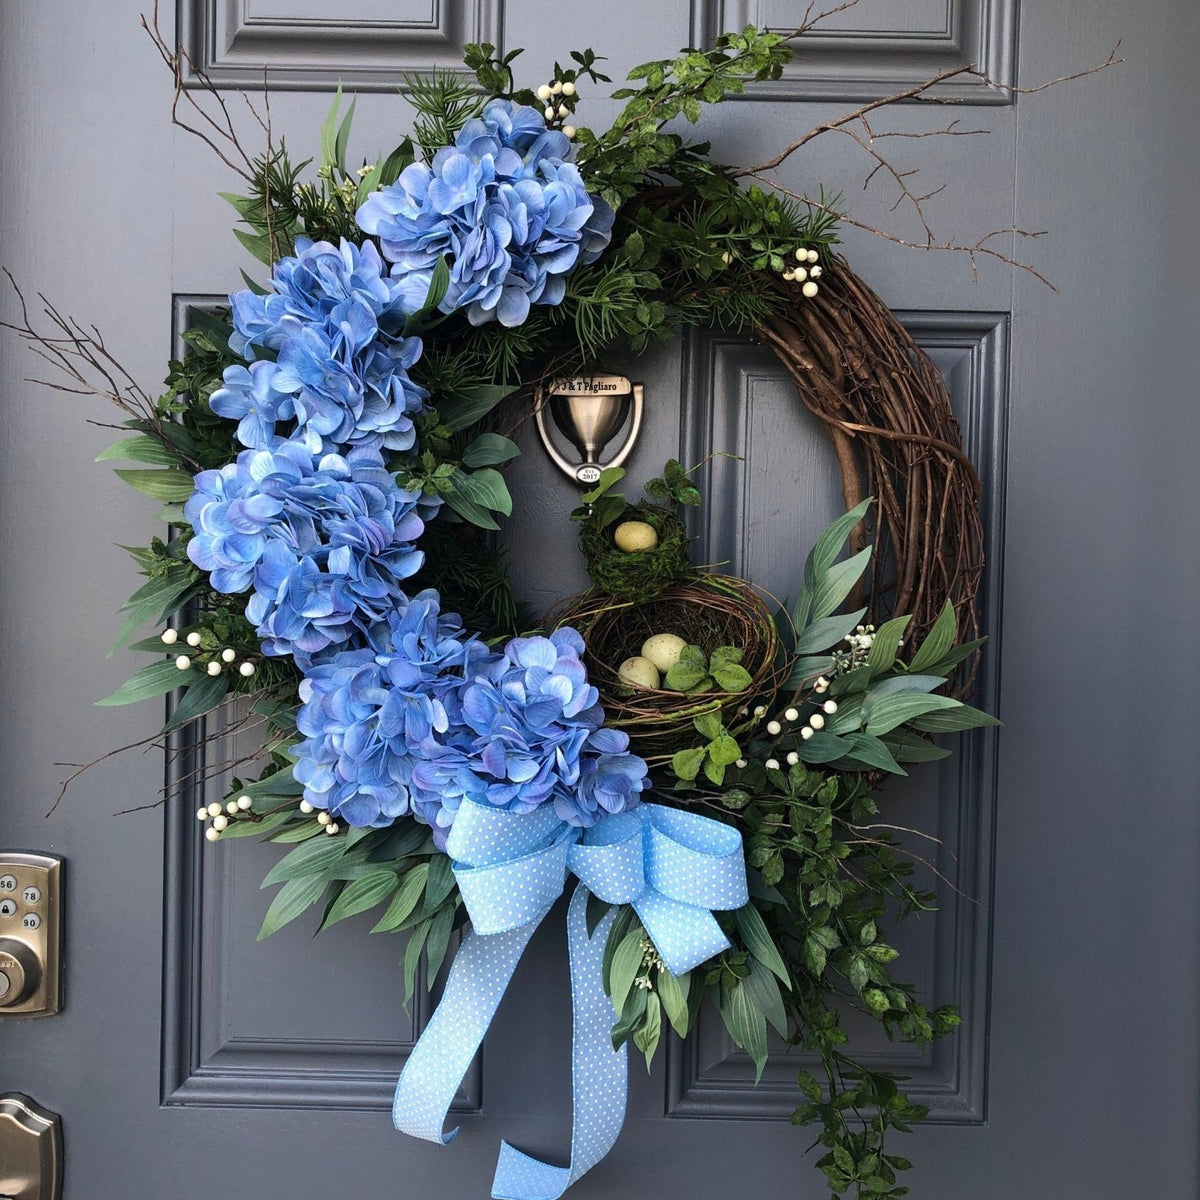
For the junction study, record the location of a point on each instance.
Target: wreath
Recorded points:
(329, 452)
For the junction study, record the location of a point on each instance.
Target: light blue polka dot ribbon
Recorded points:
(676, 868)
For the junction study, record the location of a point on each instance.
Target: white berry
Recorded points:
(810, 289)
(232, 808)
(170, 636)
(789, 276)
(801, 254)
(228, 654)
(814, 272)
(563, 110)
(212, 834)
(740, 764)
(202, 814)
(323, 818)
(246, 669)
(220, 823)
(213, 668)
(792, 714)
(555, 88)
(793, 759)
(305, 807)
(830, 706)
(772, 764)
(813, 256)
(214, 809)
(806, 733)
(773, 727)
(761, 711)
(800, 274)
(183, 662)
(568, 88)
(544, 93)
(568, 131)
(332, 827)
(193, 638)
(549, 113)
(817, 721)
(244, 803)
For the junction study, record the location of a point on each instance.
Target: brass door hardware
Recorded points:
(30, 935)
(31, 1150)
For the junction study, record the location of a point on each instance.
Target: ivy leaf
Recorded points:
(714, 771)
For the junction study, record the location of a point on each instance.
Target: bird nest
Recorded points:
(708, 611)
(637, 575)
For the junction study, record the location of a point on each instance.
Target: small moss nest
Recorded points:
(706, 610)
(638, 575)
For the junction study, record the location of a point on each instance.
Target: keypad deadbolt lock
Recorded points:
(30, 934)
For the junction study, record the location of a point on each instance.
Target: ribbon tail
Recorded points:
(599, 1074)
(439, 1061)
(684, 935)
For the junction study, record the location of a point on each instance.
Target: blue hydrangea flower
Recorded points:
(323, 541)
(366, 713)
(529, 733)
(342, 369)
(504, 204)
(321, 284)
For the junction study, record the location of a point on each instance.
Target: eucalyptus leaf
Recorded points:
(646, 1037)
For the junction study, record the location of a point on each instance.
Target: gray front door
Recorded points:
(191, 1062)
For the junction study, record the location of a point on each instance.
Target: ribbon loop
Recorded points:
(674, 867)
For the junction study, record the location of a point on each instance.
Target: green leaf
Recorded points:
(826, 632)
(202, 696)
(412, 959)
(280, 783)
(865, 748)
(440, 882)
(171, 486)
(470, 405)
(440, 929)
(908, 747)
(834, 585)
(299, 832)
(822, 747)
(626, 963)
(152, 599)
(723, 655)
(732, 678)
(763, 990)
(809, 1085)
(141, 448)
(439, 283)
(485, 488)
(757, 939)
(329, 131)
(361, 894)
(269, 821)
(343, 137)
(609, 477)
(489, 449)
(886, 643)
(709, 726)
(952, 658)
(404, 902)
(673, 992)
(687, 763)
(746, 1025)
(646, 1037)
(155, 680)
(898, 684)
(290, 901)
(682, 677)
(952, 720)
(938, 642)
(714, 771)
(470, 511)
(823, 555)
(310, 858)
(724, 750)
(887, 712)
(258, 244)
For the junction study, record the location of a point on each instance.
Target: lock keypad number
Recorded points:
(30, 908)
(8, 883)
